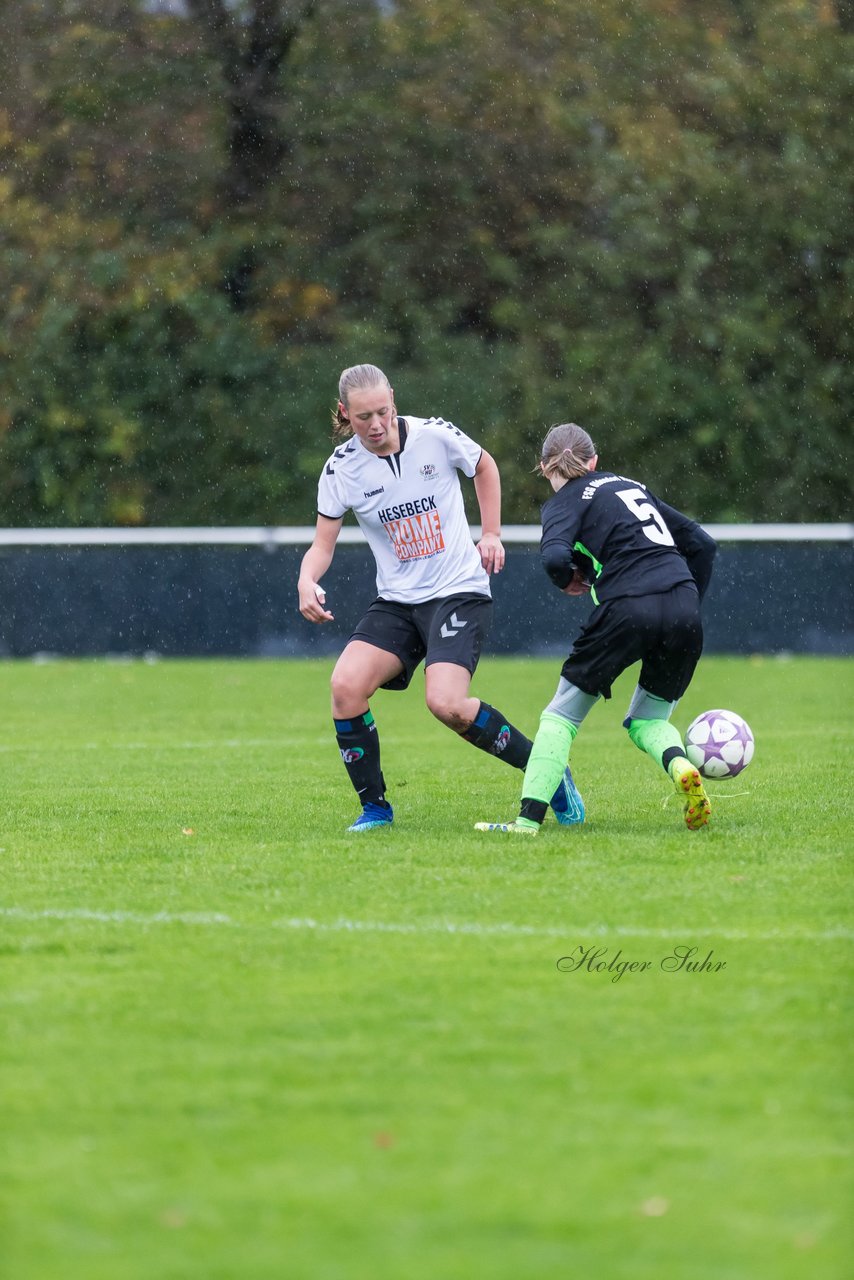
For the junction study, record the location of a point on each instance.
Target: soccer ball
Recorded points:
(719, 743)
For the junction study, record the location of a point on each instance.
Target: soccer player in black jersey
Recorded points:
(647, 567)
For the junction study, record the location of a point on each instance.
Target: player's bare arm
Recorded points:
(315, 562)
(487, 487)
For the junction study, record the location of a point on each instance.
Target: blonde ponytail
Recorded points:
(566, 451)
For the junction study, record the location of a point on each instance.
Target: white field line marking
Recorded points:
(465, 928)
(118, 917)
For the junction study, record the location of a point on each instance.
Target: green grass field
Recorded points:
(238, 1043)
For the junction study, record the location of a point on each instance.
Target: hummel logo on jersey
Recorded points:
(340, 455)
(440, 422)
(447, 629)
(372, 493)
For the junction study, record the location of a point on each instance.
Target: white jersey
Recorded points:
(410, 508)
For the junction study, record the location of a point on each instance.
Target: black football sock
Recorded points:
(533, 810)
(491, 732)
(359, 744)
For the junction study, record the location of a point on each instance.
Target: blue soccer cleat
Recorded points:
(373, 815)
(566, 803)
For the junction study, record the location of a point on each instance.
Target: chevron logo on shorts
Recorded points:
(448, 628)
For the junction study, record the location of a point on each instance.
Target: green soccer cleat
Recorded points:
(688, 782)
(521, 827)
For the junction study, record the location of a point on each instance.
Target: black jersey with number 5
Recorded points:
(622, 539)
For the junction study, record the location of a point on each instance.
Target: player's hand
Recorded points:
(491, 553)
(578, 587)
(312, 599)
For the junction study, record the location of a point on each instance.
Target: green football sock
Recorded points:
(548, 758)
(659, 739)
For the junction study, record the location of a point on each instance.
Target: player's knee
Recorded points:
(349, 696)
(448, 708)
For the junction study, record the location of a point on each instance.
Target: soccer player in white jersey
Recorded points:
(399, 476)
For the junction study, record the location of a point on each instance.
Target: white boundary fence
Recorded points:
(230, 591)
(285, 535)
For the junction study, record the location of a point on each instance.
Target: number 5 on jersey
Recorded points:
(653, 525)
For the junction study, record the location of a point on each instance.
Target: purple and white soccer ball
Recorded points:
(719, 743)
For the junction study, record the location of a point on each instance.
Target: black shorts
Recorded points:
(452, 629)
(663, 631)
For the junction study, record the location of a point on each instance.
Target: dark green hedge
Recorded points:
(629, 214)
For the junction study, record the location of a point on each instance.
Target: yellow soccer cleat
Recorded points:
(520, 828)
(689, 783)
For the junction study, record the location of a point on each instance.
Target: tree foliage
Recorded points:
(630, 213)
